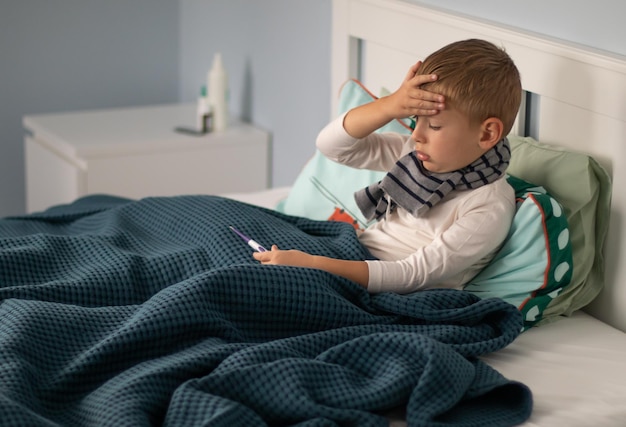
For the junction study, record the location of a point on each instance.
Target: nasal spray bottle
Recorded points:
(217, 84)
(203, 112)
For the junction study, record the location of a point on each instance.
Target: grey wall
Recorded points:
(78, 54)
(597, 23)
(277, 55)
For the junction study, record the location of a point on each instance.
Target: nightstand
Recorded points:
(135, 153)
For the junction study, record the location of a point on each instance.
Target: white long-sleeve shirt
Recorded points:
(444, 248)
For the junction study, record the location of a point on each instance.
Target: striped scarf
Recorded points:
(409, 185)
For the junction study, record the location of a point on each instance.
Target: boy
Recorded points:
(444, 208)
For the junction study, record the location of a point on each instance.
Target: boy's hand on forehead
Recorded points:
(411, 100)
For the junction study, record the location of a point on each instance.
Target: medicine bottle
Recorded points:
(217, 85)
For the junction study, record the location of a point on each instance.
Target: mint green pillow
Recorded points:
(325, 189)
(535, 262)
(583, 187)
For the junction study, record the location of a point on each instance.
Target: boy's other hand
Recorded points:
(287, 257)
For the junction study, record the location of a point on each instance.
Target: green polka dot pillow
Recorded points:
(535, 262)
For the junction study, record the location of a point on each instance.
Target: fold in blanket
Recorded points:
(152, 312)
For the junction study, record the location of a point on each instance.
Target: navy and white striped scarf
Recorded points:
(410, 186)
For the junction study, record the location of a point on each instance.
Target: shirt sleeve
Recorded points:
(377, 151)
(447, 262)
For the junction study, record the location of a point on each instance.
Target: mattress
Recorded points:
(575, 366)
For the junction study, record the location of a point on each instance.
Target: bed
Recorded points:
(151, 312)
(573, 362)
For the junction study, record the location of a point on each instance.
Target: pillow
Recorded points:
(535, 263)
(583, 187)
(325, 189)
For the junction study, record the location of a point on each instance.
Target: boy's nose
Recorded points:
(417, 135)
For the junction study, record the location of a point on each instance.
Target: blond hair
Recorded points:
(477, 78)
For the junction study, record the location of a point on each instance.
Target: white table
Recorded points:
(135, 153)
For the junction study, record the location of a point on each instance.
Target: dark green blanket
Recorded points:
(152, 312)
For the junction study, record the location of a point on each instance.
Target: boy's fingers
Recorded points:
(420, 79)
(428, 96)
(413, 70)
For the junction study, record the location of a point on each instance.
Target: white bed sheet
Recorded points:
(267, 198)
(575, 367)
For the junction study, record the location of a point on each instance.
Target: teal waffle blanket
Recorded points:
(143, 313)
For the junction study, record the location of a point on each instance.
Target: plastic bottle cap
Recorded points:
(217, 60)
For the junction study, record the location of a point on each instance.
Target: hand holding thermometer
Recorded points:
(254, 245)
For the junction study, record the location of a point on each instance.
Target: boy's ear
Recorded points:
(490, 132)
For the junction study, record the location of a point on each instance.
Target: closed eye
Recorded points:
(413, 122)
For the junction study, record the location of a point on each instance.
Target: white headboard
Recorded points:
(579, 94)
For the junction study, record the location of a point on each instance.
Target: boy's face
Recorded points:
(447, 141)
